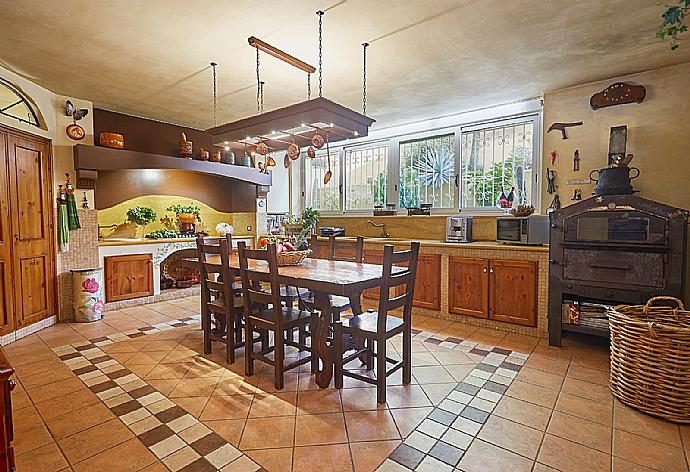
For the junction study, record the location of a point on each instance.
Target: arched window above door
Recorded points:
(15, 104)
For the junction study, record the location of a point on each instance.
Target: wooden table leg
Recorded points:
(320, 339)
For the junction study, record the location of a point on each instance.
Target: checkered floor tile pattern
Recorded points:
(174, 436)
(440, 441)
(143, 331)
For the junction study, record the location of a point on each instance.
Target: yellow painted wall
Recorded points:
(209, 216)
(658, 135)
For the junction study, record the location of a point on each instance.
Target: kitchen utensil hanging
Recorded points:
(286, 161)
(293, 151)
(317, 141)
(328, 175)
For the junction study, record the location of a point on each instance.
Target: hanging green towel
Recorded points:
(63, 227)
(72, 217)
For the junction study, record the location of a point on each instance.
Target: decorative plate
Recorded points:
(76, 132)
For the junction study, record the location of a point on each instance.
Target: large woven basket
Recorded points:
(292, 258)
(650, 358)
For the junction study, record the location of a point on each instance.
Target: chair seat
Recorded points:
(291, 316)
(368, 322)
(219, 304)
(293, 292)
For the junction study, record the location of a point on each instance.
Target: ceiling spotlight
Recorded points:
(226, 143)
(303, 125)
(227, 148)
(273, 132)
(331, 125)
(355, 133)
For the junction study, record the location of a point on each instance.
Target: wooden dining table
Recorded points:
(322, 278)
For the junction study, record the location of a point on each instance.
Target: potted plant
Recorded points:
(186, 215)
(310, 219)
(141, 216)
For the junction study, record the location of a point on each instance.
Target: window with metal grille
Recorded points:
(320, 196)
(366, 178)
(427, 172)
(495, 161)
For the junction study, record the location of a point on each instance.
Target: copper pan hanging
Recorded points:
(262, 149)
(293, 151)
(286, 161)
(328, 175)
(317, 141)
(270, 162)
(311, 152)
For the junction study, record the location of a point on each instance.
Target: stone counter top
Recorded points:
(138, 241)
(487, 245)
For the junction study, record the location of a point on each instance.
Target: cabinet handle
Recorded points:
(485, 270)
(491, 270)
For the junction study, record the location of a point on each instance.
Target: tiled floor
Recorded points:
(90, 398)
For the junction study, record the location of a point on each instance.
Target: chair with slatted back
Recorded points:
(378, 327)
(264, 309)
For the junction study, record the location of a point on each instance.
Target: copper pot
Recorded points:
(215, 156)
(112, 140)
(293, 151)
(318, 141)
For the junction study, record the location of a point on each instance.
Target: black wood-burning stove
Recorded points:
(610, 250)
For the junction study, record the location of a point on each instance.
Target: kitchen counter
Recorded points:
(486, 245)
(137, 241)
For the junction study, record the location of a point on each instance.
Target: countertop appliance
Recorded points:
(327, 231)
(527, 230)
(459, 229)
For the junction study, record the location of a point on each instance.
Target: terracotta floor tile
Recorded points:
(230, 407)
(597, 376)
(581, 431)
(46, 458)
(431, 374)
(313, 402)
(438, 392)
(31, 439)
(168, 371)
(145, 358)
(360, 399)
(584, 408)
(449, 357)
(84, 418)
(267, 384)
(634, 421)
(56, 374)
(547, 364)
(568, 456)
(273, 404)
(262, 433)
(230, 430)
(407, 419)
(406, 396)
(193, 405)
(367, 456)
(335, 458)
(485, 457)
(370, 426)
(272, 460)
(90, 442)
(532, 393)
(311, 430)
(56, 389)
(25, 418)
(197, 387)
(621, 465)
(522, 412)
(457, 371)
(513, 436)
(539, 377)
(647, 452)
(599, 393)
(129, 456)
(164, 386)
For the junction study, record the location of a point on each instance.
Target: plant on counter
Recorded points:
(162, 234)
(141, 216)
(310, 219)
(185, 210)
(673, 22)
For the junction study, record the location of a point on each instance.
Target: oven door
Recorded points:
(510, 229)
(616, 226)
(625, 268)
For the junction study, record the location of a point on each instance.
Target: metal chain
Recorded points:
(308, 86)
(364, 80)
(261, 93)
(215, 96)
(258, 83)
(320, 13)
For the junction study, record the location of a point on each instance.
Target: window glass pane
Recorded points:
(366, 178)
(494, 160)
(427, 172)
(320, 196)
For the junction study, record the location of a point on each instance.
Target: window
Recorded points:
(497, 159)
(366, 178)
(320, 196)
(15, 104)
(427, 172)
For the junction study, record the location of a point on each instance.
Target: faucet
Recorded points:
(100, 227)
(384, 233)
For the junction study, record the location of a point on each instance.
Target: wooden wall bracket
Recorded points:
(619, 93)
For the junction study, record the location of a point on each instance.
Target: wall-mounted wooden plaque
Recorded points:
(617, 94)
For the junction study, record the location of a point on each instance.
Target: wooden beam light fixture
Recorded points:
(280, 54)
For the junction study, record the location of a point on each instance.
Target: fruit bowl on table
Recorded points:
(291, 258)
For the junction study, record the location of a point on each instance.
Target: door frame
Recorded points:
(52, 236)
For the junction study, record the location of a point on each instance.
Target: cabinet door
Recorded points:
(513, 291)
(129, 276)
(6, 305)
(31, 183)
(468, 286)
(373, 257)
(427, 287)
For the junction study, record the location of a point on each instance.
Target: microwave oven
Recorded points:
(530, 230)
(459, 229)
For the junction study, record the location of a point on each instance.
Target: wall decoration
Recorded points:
(203, 154)
(551, 181)
(673, 22)
(576, 160)
(112, 140)
(617, 143)
(554, 155)
(577, 195)
(555, 203)
(74, 131)
(619, 93)
(216, 156)
(186, 148)
(586, 181)
(562, 126)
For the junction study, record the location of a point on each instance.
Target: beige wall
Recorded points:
(658, 135)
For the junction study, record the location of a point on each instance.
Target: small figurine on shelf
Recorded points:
(215, 156)
(555, 203)
(186, 149)
(203, 154)
(85, 202)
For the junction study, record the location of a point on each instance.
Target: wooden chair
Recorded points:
(217, 286)
(378, 327)
(263, 309)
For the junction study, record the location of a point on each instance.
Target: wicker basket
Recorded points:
(650, 358)
(292, 258)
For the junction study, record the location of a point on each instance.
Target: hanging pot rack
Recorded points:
(298, 121)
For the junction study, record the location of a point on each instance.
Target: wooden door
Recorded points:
(513, 291)
(427, 287)
(129, 276)
(468, 286)
(6, 304)
(31, 203)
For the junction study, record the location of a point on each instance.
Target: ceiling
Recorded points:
(427, 57)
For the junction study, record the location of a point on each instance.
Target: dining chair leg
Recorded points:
(230, 337)
(338, 354)
(279, 354)
(312, 346)
(206, 326)
(381, 370)
(407, 355)
(302, 337)
(248, 348)
(369, 356)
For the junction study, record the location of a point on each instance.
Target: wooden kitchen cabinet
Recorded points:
(513, 291)
(128, 276)
(427, 287)
(468, 286)
(497, 289)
